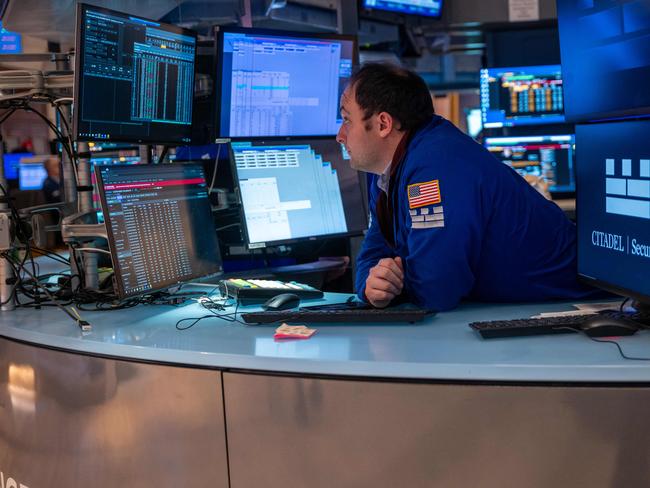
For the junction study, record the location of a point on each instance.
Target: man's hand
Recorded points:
(385, 281)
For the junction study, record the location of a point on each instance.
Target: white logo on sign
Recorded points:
(627, 187)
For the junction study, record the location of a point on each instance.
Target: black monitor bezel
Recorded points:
(81, 9)
(374, 8)
(242, 211)
(595, 282)
(117, 280)
(219, 35)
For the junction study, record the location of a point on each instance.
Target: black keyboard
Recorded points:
(549, 325)
(357, 314)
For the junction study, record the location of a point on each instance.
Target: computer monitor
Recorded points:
(12, 162)
(605, 47)
(551, 157)
(474, 122)
(98, 159)
(134, 78)
(613, 206)
(31, 176)
(430, 8)
(301, 189)
(276, 84)
(525, 95)
(159, 225)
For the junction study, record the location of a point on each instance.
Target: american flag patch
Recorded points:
(421, 194)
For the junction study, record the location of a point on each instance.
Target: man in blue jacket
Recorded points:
(448, 220)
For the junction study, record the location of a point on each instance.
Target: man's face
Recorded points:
(360, 136)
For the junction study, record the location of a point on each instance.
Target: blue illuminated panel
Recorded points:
(10, 42)
(613, 205)
(135, 79)
(282, 85)
(550, 157)
(31, 176)
(526, 95)
(297, 190)
(430, 8)
(12, 162)
(605, 46)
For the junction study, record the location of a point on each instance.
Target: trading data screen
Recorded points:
(605, 47)
(613, 205)
(282, 84)
(297, 190)
(134, 78)
(548, 157)
(521, 96)
(430, 8)
(159, 225)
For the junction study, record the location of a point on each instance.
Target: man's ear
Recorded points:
(385, 123)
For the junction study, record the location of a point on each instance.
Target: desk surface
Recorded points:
(442, 347)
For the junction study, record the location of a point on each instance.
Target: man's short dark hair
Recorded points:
(385, 87)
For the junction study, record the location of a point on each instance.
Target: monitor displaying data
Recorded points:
(276, 84)
(297, 190)
(526, 95)
(12, 163)
(550, 157)
(159, 225)
(605, 47)
(102, 159)
(474, 122)
(134, 78)
(31, 176)
(613, 206)
(430, 8)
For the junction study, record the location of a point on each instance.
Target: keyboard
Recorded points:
(549, 325)
(248, 292)
(356, 313)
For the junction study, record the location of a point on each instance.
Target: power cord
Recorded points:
(70, 312)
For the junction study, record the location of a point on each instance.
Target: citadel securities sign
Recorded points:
(616, 242)
(7, 482)
(607, 240)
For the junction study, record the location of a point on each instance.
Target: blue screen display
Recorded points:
(613, 204)
(10, 42)
(11, 163)
(525, 95)
(297, 190)
(430, 8)
(605, 46)
(282, 85)
(31, 176)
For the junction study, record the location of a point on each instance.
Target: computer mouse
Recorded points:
(603, 326)
(283, 301)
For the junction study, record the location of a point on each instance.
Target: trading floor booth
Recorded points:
(142, 392)
(138, 402)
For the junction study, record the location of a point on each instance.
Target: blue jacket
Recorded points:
(470, 227)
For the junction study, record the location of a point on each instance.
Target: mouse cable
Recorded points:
(605, 341)
(228, 317)
(620, 350)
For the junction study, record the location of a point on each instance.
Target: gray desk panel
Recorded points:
(343, 433)
(69, 420)
(441, 348)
